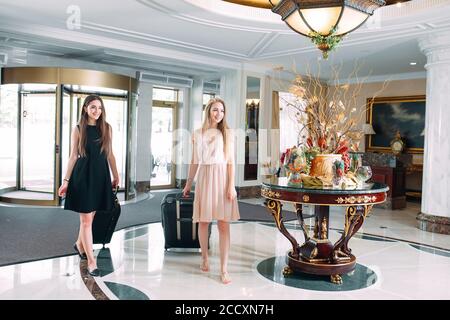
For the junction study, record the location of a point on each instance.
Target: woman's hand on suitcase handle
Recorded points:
(115, 182)
(63, 189)
(186, 190)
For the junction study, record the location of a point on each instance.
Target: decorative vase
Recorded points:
(322, 165)
(294, 179)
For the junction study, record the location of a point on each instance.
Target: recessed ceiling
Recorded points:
(191, 37)
(266, 4)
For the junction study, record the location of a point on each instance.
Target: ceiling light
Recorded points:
(324, 21)
(413, 63)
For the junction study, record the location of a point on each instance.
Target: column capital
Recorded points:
(436, 47)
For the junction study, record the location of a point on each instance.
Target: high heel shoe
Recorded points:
(94, 273)
(225, 278)
(83, 255)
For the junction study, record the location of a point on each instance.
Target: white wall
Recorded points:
(144, 130)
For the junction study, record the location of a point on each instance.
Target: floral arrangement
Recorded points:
(329, 119)
(338, 169)
(293, 160)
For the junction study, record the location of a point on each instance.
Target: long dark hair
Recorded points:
(102, 126)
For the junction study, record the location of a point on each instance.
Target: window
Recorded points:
(291, 133)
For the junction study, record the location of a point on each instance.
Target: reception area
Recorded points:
(338, 134)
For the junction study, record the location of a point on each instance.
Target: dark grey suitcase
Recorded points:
(176, 217)
(105, 223)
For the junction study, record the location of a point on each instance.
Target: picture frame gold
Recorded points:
(387, 115)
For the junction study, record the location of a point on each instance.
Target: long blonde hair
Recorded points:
(101, 124)
(222, 126)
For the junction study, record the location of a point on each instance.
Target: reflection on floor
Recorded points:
(29, 195)
(395, 261)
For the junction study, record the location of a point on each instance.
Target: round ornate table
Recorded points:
(317, 255)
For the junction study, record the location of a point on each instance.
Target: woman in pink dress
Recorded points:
(215, 193)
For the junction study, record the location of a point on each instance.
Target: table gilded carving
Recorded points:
(317, 255)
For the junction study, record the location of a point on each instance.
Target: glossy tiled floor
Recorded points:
(404, 263)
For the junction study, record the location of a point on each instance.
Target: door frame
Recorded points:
(60, 77)
(174, 106)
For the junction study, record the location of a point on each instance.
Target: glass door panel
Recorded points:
(9, 105)
(38, 141)
(132, 190)
(116, 116)
(162, 146)
(252, 128)
(66, 132)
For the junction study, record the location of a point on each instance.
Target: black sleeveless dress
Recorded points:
(90, 187)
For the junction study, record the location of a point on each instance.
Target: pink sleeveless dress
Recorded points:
(210, 200)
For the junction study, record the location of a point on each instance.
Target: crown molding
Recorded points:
(410, 8)
(386, 13)
(160, 40)
(250, 67)
(155, 5)
(30, 32)
(381, 78)
(262, 44)
(403, 28)
(432, 42)
(404, 34)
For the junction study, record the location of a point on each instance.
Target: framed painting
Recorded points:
(389, 115)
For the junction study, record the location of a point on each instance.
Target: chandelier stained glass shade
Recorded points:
(324, 21)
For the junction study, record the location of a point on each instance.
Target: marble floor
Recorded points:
(395, 260)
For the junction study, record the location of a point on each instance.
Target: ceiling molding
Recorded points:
(160, 40)
(399, 30)
(29, 32)
(410, 8)
(183, 34)
(212, 23)
(262, 45)
(225, 8)
(388, 12)
(381, 36)
(381, 78)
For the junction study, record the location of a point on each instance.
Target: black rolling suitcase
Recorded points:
(176, 217)
(105, 223)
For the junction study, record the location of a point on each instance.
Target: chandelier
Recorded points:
(324, 21)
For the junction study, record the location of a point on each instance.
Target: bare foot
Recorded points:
(225, 277)
(204, 266)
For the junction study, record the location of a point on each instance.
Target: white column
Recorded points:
(436, 168)
(184, 144)
(196, 105)
(231, 88)
(144, 131)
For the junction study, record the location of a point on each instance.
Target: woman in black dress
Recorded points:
(87, 183)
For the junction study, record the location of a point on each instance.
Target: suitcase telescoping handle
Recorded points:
(179, 197)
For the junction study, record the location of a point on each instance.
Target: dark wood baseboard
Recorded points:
(393, 203)
(249, 192)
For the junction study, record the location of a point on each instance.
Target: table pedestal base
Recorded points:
(317, 254)
(319, 267)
